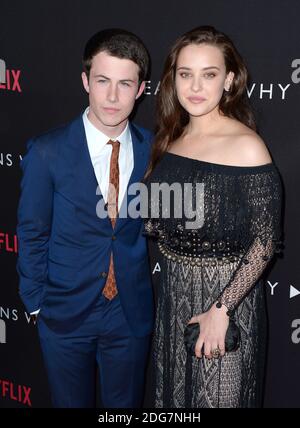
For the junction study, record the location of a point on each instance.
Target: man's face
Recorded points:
(113, 87)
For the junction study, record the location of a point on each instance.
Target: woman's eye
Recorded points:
(184, 75)
(210, 75)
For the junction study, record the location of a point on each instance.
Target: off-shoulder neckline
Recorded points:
(256, 168)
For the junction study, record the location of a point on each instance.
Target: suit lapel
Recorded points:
(86, 190)
(140, 157)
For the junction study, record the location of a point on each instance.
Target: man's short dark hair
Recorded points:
(119, 43)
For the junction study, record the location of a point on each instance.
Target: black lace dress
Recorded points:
(223, 257)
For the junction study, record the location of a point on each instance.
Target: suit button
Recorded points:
(103, 274)
(113, 237)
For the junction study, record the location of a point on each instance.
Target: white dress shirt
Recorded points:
(100, 153)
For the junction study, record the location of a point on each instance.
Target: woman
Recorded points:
(206, 137)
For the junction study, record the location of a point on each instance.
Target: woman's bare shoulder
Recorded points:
(246, 147)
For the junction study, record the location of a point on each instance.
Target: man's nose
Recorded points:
(112, 93)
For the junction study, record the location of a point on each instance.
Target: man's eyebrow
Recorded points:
(101, 75)
(128, 80)
(107, 78)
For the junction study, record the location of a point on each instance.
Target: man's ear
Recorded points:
(141, 89)
(85, 81)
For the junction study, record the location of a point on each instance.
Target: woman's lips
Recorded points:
(196, 100)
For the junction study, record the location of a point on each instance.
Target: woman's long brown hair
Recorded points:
(171, 116)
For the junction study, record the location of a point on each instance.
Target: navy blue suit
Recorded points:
(64, 254)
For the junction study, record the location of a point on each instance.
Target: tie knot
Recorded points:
(114, 143)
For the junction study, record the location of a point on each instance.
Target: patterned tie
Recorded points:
(110, 289)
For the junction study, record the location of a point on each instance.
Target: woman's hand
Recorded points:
(213, 327)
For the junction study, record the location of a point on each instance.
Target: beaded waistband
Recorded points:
(197, 259)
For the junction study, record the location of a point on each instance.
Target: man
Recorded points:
(86, 275)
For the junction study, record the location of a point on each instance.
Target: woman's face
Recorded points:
(201, 78)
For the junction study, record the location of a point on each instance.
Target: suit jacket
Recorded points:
(64, 247)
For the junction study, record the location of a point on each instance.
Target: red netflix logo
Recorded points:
(12, 81)
(8, 242)
(20, 393)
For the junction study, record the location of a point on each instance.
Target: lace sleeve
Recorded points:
(262, 193)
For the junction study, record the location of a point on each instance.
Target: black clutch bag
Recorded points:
(192, 331)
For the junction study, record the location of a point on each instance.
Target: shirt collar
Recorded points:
(99, 139)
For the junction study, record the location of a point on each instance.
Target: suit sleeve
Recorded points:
(34, 225)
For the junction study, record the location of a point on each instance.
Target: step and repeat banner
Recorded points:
(41, 45)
